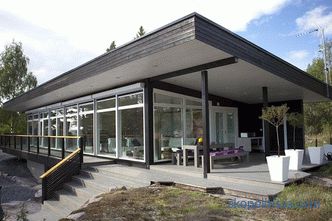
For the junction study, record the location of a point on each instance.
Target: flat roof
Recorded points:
(190, 41)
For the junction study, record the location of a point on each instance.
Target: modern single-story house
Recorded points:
(188, 79)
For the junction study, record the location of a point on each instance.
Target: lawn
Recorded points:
(324, 171)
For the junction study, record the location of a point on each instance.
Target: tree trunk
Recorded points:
(316, 142)
(277, 130)
(294, 138)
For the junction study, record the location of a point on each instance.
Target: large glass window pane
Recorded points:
(34, 127)
(219, 128)
(71, 127)
(168, 131)
(165, 99)
(53, 132)
(106, 104)
(194, 126)
(230, 133)
(131, 139)
(106, 133)
(131, 99)
(86, 131)
(59, 131)
(30, 128)
(44, 141)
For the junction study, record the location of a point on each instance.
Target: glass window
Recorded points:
(29, 117)
(105, 104)
(165, 99)
(53, 113)
(194, 126)
(30, 128)
(131, 99)
(35, 116)
(59, 112)
(45, 115)
(71, 110)
(131, 133)
(71, 127)
(44, 142)
(193, 103)
(86, 131)
(59, 131)
(53, 132)
(106, 133)
(86, 107)
(168, 131)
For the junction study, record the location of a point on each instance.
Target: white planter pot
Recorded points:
(278, 168)
(316, 155)
(296, 158)
(327, 148)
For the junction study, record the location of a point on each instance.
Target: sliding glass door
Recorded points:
(224, 126)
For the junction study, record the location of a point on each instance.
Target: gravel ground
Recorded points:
(19, 188)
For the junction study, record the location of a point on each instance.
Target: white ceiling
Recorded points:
(243, 82)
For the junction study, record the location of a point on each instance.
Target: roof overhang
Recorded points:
(185, 43)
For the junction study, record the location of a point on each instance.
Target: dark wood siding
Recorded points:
(249, 122)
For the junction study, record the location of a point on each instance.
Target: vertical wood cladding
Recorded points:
(249, 122)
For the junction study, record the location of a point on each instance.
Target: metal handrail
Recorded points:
(56, 166)
(62, 172)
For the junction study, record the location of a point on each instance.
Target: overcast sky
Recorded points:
(60, 35)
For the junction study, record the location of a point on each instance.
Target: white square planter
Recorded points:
(296, 158)
(278, 168)
(316, 155)
(327, 148)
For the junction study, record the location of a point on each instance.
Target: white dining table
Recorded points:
(196, 150)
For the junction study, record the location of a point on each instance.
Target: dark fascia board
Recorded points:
(116, 55)
(217, 36)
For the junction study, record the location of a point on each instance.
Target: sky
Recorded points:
(60, 35)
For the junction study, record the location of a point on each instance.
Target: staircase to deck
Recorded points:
(96, 179)
(89, 183)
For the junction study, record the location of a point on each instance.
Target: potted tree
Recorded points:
(278, 165)
(296, 155)
(314, 127)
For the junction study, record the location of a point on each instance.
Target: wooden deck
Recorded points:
(249, 179)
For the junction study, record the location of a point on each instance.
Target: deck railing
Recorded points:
(54, 178)
(50, 146)
(56, 146)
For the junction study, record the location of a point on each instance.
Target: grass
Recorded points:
(325, 171)
(171, 203)
(160, 203)
(300, 194)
